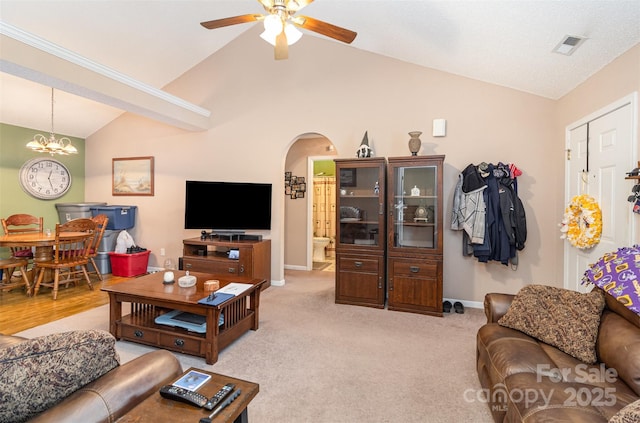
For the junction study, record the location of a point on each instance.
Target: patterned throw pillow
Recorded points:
(618, 274)
(568, 320)
(629, 414)
(40, 372)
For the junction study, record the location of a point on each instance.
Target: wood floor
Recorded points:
(19, 312)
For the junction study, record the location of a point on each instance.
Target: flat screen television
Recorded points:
(227, 206)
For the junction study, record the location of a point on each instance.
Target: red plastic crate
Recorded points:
(129, 264)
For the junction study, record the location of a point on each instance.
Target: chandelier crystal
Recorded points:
(51, 145)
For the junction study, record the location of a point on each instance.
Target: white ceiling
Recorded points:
(506, 42)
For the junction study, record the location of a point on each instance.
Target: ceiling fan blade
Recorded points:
(219, 23)
(324, 28)
(282, 48)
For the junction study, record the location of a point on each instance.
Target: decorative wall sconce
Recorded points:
(294, 186)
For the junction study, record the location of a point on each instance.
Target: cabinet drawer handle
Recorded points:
(179, 342)
(138, 334)
(414, 269)
(188, 265)
(232, 270)
(358, 264)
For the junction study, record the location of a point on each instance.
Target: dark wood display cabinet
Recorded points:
(414, 234)
(212, 256)
(360, 241)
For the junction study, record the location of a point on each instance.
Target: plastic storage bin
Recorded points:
(129, 264)
(103, 263)
(70, 211)
(108, 242)
(120, 217)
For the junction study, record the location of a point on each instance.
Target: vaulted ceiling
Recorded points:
(150, 43)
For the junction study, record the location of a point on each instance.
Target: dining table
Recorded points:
(43, 243)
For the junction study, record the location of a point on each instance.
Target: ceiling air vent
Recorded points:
(569, 44)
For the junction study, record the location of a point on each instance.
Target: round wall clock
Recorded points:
(45, 178)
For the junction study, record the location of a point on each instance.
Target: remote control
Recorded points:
(226, 402)
(219, 396)
(183, 395)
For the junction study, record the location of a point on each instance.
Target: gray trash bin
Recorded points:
(70, 211)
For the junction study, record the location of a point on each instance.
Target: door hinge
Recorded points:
(568, 154)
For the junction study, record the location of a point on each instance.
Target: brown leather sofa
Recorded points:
(116, 392)
(525, 380)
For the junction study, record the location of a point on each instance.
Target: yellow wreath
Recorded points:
(582, 223)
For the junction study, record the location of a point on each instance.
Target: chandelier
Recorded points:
(51, 145)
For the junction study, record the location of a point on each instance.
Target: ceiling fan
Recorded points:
(280, 25)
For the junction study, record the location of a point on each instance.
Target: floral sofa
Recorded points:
(76, 377)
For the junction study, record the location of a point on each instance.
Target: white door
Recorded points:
(598, 168)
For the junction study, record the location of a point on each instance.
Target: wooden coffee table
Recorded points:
(149, 298)
(157, 409)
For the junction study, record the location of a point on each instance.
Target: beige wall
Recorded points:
(260, 106)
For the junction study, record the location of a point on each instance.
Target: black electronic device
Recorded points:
(183, 395)
(227, 207)
(226, 402)
(219, 396)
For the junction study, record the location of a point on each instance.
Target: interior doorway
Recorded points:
(298, 229)
(600, 149)
(321, 212)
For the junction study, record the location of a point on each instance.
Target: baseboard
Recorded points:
(152, 269)
(277, 283)
(294, 267)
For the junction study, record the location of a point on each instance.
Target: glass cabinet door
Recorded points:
(360, 203)
(413, 206)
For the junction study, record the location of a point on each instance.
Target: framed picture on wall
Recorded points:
(132, 176)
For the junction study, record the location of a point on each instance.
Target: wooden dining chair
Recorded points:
(70, 255)
(21, 223)
(101, 221)
(7, 267)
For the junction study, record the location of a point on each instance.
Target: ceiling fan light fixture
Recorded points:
(272, 25)
(280, 25)
(292, 33)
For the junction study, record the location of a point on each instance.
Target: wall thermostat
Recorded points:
(439, 127)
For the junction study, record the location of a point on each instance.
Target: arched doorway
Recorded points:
(298, 211)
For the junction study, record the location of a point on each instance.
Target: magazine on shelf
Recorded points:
(215, 299)
(234, 288)
(192, 380)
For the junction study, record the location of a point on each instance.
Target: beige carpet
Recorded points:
(320, 362)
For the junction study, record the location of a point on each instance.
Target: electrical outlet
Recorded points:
(162, 251)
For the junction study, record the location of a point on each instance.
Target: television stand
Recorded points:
(229, 236)
(211, 256)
